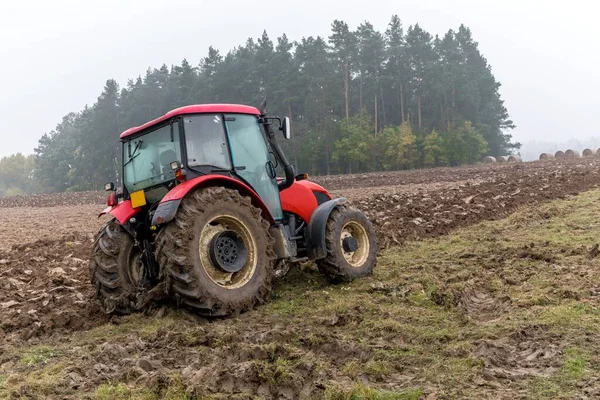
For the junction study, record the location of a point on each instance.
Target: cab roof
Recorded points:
(194, 109)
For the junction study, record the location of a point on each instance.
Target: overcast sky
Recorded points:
(56, 55)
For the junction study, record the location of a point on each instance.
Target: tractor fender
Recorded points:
(317, 228)
(122, 211)
(167, 208)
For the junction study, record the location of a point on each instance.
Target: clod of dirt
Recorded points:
(469, 199)
(9, 304)
(594, 251)
(393, 291)
(145, 365)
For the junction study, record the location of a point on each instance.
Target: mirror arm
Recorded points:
(287, 167)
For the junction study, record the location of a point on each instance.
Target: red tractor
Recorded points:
(202, 217)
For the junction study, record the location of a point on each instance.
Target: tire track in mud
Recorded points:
(532, 351)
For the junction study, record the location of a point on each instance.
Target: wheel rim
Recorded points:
(213, 234)
(227, 251)
(135, 267)
(354, 243)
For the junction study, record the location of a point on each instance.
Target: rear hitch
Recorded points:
(144, 238)
(150, 270)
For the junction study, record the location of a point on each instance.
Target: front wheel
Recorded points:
(351, 245)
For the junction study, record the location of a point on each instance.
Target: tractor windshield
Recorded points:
(146, 158)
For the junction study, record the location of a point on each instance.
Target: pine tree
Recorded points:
(343, 44)
(421, 61)
(371, 56)
(396, 66)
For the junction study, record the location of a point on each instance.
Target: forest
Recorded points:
(360, 100)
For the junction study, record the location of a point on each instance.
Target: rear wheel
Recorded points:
(116, 268)
(351, 245)
(217, 253)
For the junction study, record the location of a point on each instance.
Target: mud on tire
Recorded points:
(340, 264)
(182, 249)
(111, 268)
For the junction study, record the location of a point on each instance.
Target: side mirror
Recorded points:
(109, 187)
(285, 127)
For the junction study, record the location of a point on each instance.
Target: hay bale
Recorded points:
(572, 154)
(514, 159)
(546, 156)
(489, 160)
(559, 155)
(502, 159)
(590, 152)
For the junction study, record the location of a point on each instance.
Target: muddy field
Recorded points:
(49, 318)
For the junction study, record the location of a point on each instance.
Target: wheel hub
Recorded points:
(350, 244)
(354, 243)
(227, 251)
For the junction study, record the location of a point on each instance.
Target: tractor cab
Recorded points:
(198, 142)
(203, 219)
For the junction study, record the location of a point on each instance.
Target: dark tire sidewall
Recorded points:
(121, 245)
(126, 253)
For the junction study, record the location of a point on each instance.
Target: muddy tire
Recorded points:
(115, 269)
(217, 254)
(351, 246)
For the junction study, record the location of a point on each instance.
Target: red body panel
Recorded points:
(179, 191)
(297, 199)
(300, 200)
(122, 211)
(196, 109)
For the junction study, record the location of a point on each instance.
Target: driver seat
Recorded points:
(166, 158)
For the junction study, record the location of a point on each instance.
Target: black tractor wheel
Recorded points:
(116, 268)
(351, 245)
(217, 254)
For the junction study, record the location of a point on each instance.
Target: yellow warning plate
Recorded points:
(138, 199)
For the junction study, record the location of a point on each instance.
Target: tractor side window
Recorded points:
(205, 141)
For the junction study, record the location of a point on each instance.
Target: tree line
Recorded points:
(360, 100)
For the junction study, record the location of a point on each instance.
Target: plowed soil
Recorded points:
(46, 298)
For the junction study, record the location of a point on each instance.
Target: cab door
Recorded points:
(250, 156)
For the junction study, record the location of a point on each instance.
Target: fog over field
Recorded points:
(60, 54)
